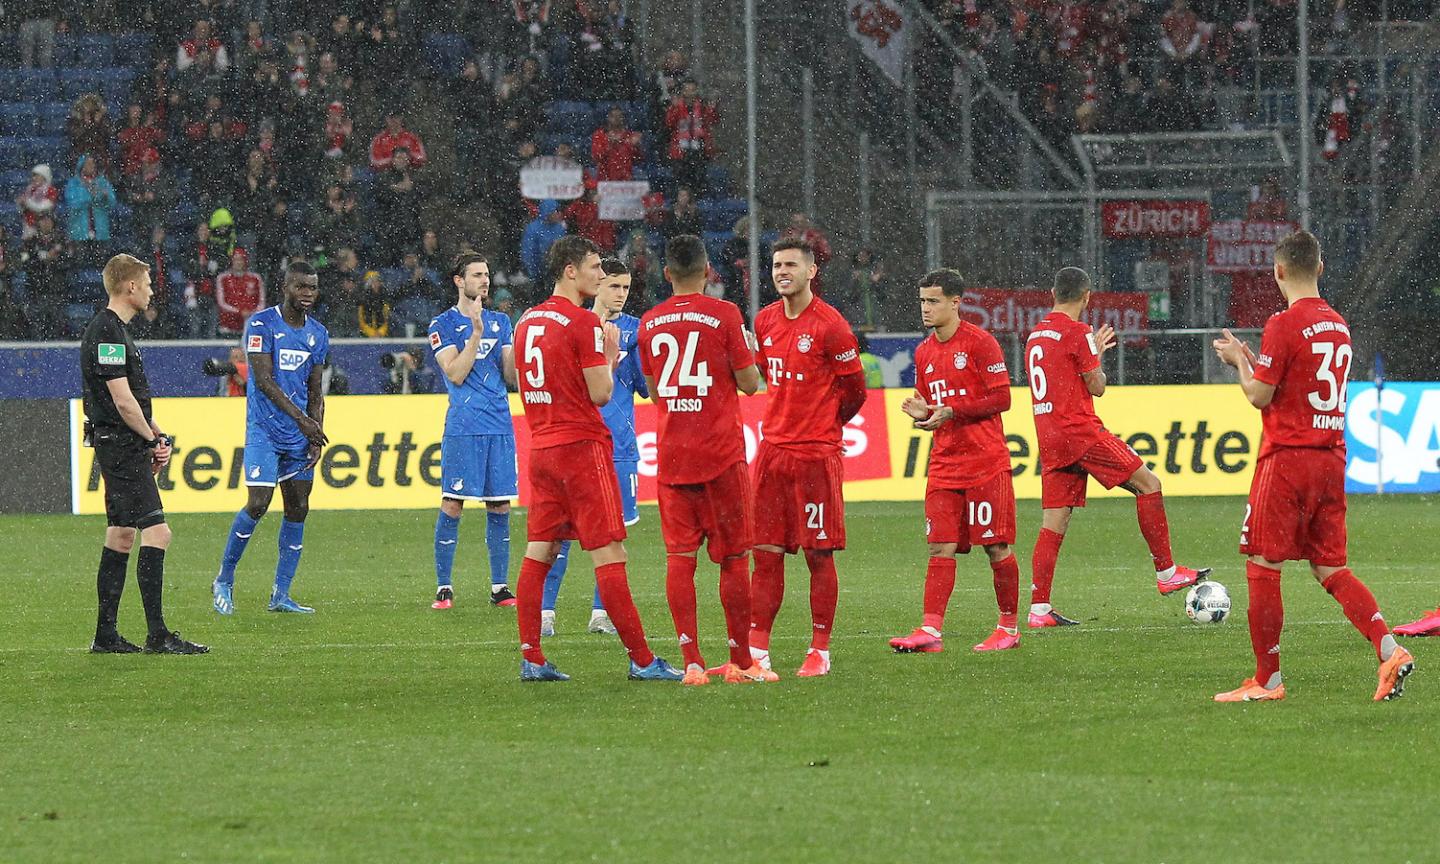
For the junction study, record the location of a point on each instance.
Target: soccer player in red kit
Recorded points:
(1297, 496)
(565, 364)
(962, 388)
(695, 355)
(1063, 356)
(811, 363)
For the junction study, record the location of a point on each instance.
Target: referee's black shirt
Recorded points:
(107, 353)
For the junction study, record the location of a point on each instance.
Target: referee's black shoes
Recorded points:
(171, 643)
(113, 644)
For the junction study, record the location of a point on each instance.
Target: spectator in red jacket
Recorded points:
(614, 148)
(1180, 40)
(239, 293)
(140, 135)
(37, 199)
(583, 214)
(691, 121)
(200, 40)
(395, 137)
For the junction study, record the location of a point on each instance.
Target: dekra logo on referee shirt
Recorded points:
(111, 354)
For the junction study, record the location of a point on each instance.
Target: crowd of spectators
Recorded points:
(253, 134)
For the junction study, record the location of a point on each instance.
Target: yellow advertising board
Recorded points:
(384, 451)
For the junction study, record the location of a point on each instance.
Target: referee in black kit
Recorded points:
(130, 450)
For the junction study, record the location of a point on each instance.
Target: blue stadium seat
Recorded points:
(64, 56)
(444, 53)
(75, 83)
(11, 182)
(9, 50)
(721, 214)
(84, 285)
(17, 118)
(11, 153)
(97, 49)
(558, 107)
(49, 149)
(717, 181)
(133, 49)
(51, 118)
(715, 247)
(28, 85)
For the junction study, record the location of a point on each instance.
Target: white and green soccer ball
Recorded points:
(1207, 603)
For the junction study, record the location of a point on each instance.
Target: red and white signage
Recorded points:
(1243, 245)
(881, 29)
(1003, 311)
(1125, 220)
(866, 439)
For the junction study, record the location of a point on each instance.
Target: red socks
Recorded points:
(1042, 566)
(1359, 605)
(1007, 589)
(1156, 529)
(1267, 619)
(529, 594)
(735, 600)
(680, 592)
(824, 596)
(767, 589)
(939, 585)
(615, 596)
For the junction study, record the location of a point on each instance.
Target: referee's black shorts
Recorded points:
(132, 500)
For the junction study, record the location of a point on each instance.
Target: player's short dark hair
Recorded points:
(301, 268)
(947, 279)
(685, 256)
(1071, 283)
(569, 251)
(794, 243)
(1299, 253)
(463, 260)
(614, 267)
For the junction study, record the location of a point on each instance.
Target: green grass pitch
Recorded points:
(378, 730)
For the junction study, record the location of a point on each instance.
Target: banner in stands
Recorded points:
(622, 200)
(552, 177)
(1244, 245)
(1124, 220)
(1397, 448)
(385, 453)
(1002, 310)
(881, 29)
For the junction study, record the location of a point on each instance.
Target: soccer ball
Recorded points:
(1207, 603)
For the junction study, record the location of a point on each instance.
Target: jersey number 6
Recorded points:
(1037, 375)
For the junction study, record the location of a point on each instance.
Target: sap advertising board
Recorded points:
(1399, 448)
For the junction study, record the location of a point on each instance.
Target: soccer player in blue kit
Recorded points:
(284, 434)
(474, 347)
(619, 415)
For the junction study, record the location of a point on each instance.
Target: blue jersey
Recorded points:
(479, 405)
(619, 412)
(293, 352)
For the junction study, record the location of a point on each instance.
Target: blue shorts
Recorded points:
(478, 468)
(268, 464)
(628, 474)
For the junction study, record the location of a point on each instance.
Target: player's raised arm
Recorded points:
(747, 376)
(1234, 352)
(1098, 343)
(599, 380)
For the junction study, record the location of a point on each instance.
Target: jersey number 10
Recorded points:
(691, 374)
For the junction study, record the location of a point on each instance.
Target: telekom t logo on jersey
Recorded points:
(939, 390)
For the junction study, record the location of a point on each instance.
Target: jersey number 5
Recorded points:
(1333, 359)
(534, 377)
(691, 374)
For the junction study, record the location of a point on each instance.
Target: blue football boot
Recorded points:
(658, 670)
(541, 672)
(224, 602)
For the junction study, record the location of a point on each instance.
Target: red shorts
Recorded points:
(718, 509)
(1108, 460)
(799, 503)
(983, 515)
(574, 495)
(1296, 510)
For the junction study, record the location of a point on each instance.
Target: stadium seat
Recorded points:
(28, 85)
(11, 152)
(444, 53)
(75, 83)
(17, 118)
(717, 181)
(9, 50)
(83, 283)
(64, 56)
(51, 117)
(715, 246)
(11, 182)
(50, 149)
(133, 49)
(721, 214)
(95, 50)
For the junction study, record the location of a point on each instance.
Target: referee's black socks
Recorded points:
(151, 575)
(109, 585)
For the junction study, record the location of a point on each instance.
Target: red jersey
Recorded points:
(1059, 351)
(1305, 355)
(967, 365)
(237, 297)
(691, 345)
(801, 359)
(555, 342)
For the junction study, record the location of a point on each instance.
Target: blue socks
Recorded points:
(240, 531)
(497, 539)
(292, 540)
(447, 535)
(557, 576)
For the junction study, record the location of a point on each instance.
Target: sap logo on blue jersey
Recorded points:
(486, 346)
(290, 360)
